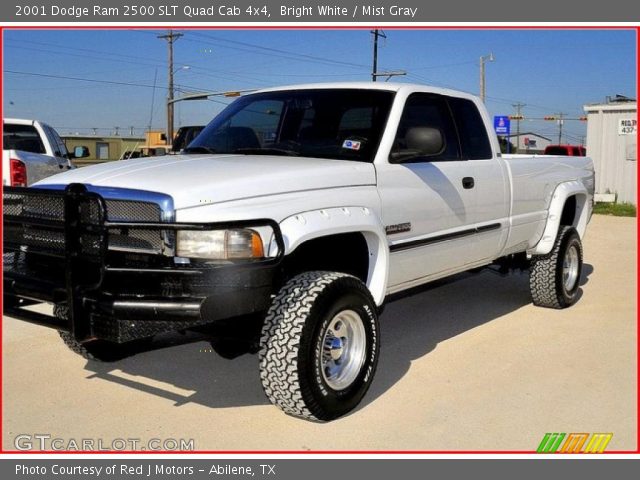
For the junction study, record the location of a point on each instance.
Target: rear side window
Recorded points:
(51, 139)
(474, 142)
(58, 145)
(21, 137)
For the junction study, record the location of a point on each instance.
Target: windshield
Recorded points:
(344, 124)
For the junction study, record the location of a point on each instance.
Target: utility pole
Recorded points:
(376, 33)
(483, 59)
(170, 37)
(518, 106)
(560, 124)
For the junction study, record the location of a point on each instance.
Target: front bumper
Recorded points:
(120, 296)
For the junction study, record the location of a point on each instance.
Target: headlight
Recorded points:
(220, 244)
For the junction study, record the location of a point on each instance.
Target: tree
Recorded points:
(503, 145)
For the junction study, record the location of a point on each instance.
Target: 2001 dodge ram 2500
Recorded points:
(304, 207)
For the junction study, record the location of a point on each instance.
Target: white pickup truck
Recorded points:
(299, 209)
(32, 151)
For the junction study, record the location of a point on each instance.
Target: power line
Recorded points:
(78, 79)
(93, 80)
(280, 52)
(230, 75)
(78, 49)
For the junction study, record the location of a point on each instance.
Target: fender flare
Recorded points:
(304, 226)
(554, 215)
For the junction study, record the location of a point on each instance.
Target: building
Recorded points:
(102, 148)
(612, 132)
(529, 142)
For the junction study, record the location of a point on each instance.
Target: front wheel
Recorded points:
(319, 346)
(555, 278)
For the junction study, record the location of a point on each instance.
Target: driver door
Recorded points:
(426, 199)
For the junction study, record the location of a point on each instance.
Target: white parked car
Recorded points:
(32, 151)
(297, 211)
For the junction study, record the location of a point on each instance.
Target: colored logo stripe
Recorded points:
(574, 442)
(598, 442)
(550, 442)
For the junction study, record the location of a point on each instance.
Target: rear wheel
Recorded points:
(319, 346)
(555, 278)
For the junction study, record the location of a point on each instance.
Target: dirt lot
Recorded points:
(470, 365)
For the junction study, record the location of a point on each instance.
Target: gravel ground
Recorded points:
(467, 365)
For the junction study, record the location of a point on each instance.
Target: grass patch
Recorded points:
(615, 209)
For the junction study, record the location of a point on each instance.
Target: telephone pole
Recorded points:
(483, 87)
(518, 106)
(170, 37)
(560, 124)
(376, 33)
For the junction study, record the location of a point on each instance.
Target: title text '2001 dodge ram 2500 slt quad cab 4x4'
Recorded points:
(304, 207)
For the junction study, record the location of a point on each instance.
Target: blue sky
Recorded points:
(549, 70)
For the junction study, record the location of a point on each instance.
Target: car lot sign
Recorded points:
(502, 124)
(627, 126)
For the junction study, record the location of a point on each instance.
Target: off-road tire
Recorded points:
(291, 345)
(546, 275)
(95, 350)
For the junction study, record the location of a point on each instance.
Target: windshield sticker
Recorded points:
(351, 145)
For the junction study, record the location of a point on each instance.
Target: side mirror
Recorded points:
(81, 152)
(421, 142)
(426, 140)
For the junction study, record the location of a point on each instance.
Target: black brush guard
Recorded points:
(118, 296)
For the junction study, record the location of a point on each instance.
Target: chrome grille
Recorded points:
(132, 211)
(134, 239)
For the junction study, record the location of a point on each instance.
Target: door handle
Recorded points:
(468, 182)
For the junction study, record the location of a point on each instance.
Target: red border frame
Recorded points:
(319, 27)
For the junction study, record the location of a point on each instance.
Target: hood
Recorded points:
(205, 179)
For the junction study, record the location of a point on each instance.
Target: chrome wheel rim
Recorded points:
(344, 348)
(570, 268)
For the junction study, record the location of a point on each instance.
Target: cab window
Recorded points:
(426, 117)
(474, 142)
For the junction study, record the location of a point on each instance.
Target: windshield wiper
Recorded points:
(266, 151)
(200, 149)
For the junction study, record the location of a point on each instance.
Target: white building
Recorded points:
(612, 134)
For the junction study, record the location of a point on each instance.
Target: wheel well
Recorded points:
(568, 216)
(345, 252)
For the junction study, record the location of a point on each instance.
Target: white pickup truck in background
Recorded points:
(32, 151)
(298, 211)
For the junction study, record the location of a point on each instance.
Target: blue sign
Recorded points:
(502, 124)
